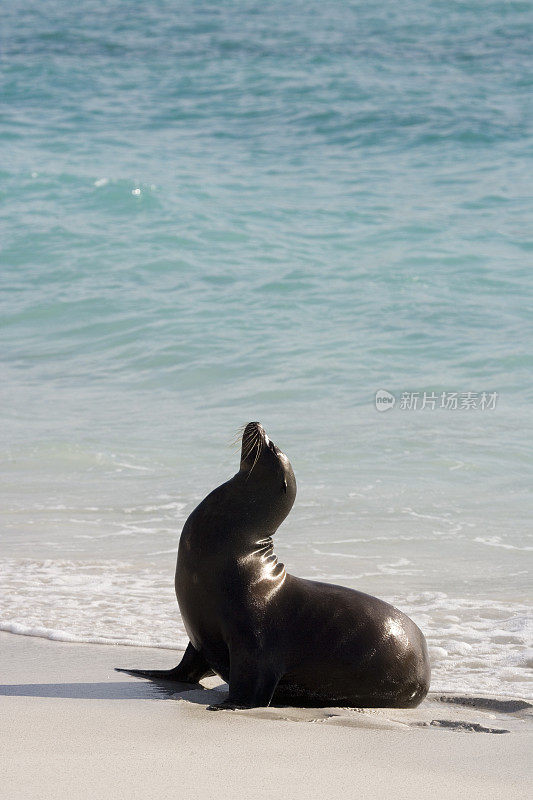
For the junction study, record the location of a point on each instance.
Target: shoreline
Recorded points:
(72, 725)
(177, 652)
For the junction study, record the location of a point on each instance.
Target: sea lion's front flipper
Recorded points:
(192, 668)
(251, 685)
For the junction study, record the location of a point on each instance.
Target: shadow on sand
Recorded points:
(112, 690)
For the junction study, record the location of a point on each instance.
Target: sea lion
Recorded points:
(269, 634)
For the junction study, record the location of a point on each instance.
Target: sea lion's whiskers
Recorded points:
(250, 440)
(237, 436)
(248, 448)
(235, 443)
(248, 452)
(259, 450)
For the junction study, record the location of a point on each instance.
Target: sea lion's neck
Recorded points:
(258, 554)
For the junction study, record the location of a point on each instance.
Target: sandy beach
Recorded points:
(73, 727)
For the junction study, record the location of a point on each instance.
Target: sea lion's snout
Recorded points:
(253, 441)
(252, 429)
(255, 434)
(256, 446)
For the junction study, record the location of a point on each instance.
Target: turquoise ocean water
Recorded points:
(212, 213)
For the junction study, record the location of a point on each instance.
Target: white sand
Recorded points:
(71, 727)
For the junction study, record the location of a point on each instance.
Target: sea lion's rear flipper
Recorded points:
(192, 668)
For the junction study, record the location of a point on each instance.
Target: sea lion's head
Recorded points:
(267, 470)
